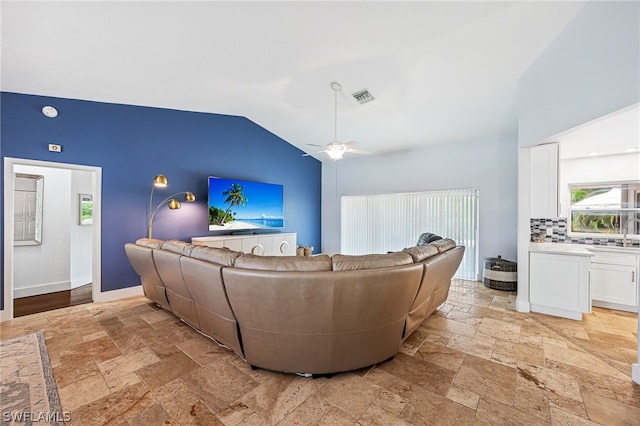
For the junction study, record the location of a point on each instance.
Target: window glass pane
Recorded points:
(596, 198)
(595, 222)
(604, 208)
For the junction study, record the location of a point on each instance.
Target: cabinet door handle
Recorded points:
(633, 276)
(284, 247)
(258, 249)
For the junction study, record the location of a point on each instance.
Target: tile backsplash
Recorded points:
(559, 235)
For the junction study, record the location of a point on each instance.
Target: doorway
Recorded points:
(83, 281)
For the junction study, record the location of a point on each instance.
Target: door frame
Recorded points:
(9, 172)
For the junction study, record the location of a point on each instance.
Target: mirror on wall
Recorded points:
(28, 197)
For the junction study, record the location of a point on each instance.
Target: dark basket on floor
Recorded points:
(500, 274)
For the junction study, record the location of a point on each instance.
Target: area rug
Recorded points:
(28, 392)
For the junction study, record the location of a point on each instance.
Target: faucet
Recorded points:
(626, 227)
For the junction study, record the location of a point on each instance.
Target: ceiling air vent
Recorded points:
(363, 96)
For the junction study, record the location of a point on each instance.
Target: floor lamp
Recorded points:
(160, 181)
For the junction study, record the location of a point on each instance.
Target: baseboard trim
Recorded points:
(522, 306)
(4, 315)
(110, 296)
(41, 289)
(616, 306)
(557, 312)
(80, 281)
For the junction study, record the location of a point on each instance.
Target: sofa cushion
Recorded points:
(150, 243)
(444, 244)
(420, 253)
(321, 262)
(177, 246)
(221, 256)
(344, 262)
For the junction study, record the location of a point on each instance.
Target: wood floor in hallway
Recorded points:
(47, 302)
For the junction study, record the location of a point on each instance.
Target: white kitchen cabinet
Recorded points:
(614, 280)
(559, 283)
(282, 244)
(543, 181)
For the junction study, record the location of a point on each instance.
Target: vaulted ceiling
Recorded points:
(439, 71)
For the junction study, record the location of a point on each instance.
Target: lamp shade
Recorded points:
(173, 204)
(160, 180)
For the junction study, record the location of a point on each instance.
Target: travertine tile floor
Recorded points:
(475, 361)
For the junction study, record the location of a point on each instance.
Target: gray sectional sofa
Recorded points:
(319, 315)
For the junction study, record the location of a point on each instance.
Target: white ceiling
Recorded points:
(614, 134)
(440, 71)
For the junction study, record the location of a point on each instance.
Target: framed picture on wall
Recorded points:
(86, 209)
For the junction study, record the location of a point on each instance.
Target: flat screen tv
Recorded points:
(236, 205)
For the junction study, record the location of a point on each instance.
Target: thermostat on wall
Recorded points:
(55, 148)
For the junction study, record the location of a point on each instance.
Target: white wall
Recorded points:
(623, 167)
(81, 236)
(590, 70)
(45, 268)
(489, 165)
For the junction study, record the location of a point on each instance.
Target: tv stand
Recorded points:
(280, 244)
(251, 232)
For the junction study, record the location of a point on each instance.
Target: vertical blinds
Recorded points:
(390, 222)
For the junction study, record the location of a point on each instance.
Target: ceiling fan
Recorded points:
(335, 150)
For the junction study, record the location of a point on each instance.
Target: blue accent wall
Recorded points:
(133, 144)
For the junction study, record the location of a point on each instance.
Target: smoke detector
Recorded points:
(363, 96)
(49, 111)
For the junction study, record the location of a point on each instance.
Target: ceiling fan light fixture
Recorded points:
(336, 150)
(335, 154)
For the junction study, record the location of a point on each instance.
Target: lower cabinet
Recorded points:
(559, 284)
(614, 280)
(283, 244)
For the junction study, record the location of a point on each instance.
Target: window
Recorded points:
(391, 222)
(605, 208)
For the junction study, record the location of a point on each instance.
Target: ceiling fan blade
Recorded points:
(358, 151)
(312, 153)
(350, 143)
(313, 144)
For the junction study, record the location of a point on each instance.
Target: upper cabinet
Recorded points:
(543, 181)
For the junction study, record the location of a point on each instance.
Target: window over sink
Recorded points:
(605, 208)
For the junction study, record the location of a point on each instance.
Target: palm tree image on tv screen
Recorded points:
(244, 205)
